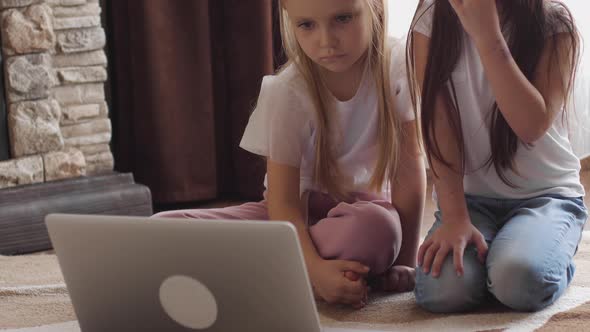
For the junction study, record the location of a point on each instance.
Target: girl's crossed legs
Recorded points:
(366, 230)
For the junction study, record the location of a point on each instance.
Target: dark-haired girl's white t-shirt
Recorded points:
(282, 126)
(548, 167)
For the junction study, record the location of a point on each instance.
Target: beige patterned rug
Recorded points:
(33, 298)
(400, 313)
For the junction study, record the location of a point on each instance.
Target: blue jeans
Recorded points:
(529, 263)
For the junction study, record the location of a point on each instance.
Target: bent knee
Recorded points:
(362, 231)
(520, 284)
(450, 293)
(379, 216)
(379, 232)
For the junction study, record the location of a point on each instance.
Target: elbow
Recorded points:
(531, 136)
(534, 130)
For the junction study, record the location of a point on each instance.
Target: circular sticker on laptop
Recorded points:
(188, 302)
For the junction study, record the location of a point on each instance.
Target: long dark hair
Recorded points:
(532, 24)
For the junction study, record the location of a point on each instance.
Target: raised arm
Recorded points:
(528, 107)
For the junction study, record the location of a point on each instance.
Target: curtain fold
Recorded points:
(184, 78)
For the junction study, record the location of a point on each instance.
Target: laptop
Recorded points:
(142, 274)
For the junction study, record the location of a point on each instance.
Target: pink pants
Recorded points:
(366, 230)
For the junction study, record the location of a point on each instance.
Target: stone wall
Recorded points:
(54, 73)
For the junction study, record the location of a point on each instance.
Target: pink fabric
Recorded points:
(247, 211)
(367, 229)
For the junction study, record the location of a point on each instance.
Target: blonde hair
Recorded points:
(326, 171)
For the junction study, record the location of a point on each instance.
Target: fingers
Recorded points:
(363, 301)
(482, 247)
(458, 251)
(429, 257)
(441, 255)
(352, 276)
(353, 266)
(353, 292)
(353, 288)
(422, 250)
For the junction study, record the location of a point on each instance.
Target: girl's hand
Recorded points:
(399, 279)
(338, 281)
(450, 236)
(479, 18)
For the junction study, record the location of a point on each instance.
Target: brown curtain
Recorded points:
(184, 78)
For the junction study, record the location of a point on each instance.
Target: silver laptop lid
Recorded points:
(141, 274)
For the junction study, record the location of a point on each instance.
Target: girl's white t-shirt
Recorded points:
(548, 167)
(282, 126)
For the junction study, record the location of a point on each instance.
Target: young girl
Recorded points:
(337, 129)
(494, 77)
